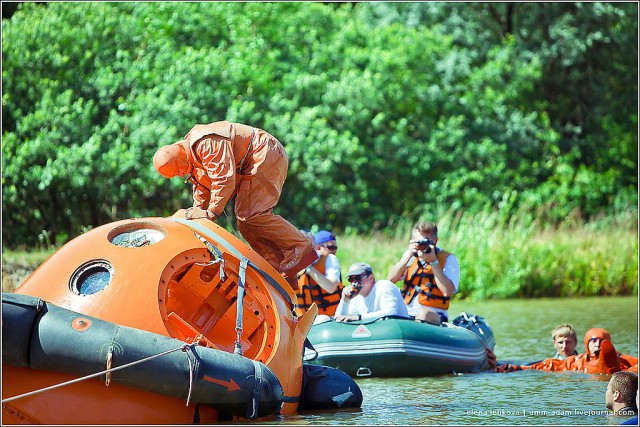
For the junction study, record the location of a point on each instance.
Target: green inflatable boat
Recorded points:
(399, 347)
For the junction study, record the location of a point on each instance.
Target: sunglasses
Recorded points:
(331, 247)
(356, 279)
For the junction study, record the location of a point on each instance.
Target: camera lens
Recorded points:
(424, 245)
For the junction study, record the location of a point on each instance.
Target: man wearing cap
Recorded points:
(327, 241)
(366, 299)
(321, 282)
(224, 160)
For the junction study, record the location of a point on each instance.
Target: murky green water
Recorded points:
(522, 330)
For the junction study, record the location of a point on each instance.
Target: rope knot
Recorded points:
(186, 347)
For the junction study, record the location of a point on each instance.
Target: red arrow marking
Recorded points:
(230, 385)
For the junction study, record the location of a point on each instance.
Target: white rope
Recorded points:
(183, 348)
(190, 375)
(240, 304)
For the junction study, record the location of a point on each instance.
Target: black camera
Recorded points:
(355, 291)
(424, 245)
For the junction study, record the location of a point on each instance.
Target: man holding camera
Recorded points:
(365, 299)
(431, 275)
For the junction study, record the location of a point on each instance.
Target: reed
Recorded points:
(18, 265)
(499, 258)
(518, 257)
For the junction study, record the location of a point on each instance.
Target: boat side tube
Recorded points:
(477, 325)
(40, 335)
(326, 388)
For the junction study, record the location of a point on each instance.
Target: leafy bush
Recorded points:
(380, 119)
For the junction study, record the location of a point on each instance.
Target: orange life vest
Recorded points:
(311, 291)
(420, 280)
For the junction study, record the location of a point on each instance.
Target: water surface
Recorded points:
(522, 330)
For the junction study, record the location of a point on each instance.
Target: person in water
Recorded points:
(621, 394)
(565, 340)
(600, 357)
(366, 299)
(633, 421)
(223, 160)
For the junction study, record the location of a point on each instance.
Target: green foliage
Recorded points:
(566, 128)
(386, 109)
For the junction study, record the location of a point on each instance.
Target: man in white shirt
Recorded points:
(366, 299)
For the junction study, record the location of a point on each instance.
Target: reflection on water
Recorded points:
(522, 329)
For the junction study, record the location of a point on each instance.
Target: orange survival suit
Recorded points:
(233, 159)
(310, 291)
(607, 361)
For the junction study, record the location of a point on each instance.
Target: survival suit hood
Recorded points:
(595, 333)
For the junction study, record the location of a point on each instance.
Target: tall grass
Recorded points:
(499, 258)
(520, 257)
(18, 265)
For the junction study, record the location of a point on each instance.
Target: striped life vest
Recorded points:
(310, 292)
(419, 280)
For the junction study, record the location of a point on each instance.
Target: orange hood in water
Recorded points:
(595, 333)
